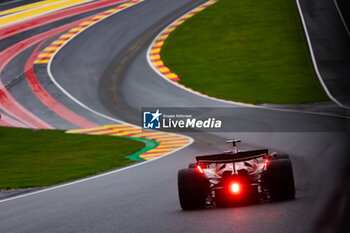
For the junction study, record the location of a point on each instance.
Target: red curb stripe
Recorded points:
(128, 132)
(172, 143)
(167, 31)
(10, 122)
(163, 148)
(173, 26)
(8, 103)
(156, 47)
(175, 79)
(50, 51)
(173, 140)
(11, 106)
(47, 99)
(168, 147)
(58, 43)
(92, 131)
(121, 127)
(16, 28)
(45, 53)
(43, 58)
(155, 153)
(156, 60)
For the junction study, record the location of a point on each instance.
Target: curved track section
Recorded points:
(105, 68)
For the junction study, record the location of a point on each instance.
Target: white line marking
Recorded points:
(233, 102)
(99, 114)
(97, 176)
(314, 60)
(122, 122)
(66, 92)
(341, 17)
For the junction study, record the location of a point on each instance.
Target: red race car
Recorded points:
(235, 177)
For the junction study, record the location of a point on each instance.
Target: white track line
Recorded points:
(122, 122)
(64, 90)
(239, 103)
(341, 17)
(94, 177)
(101, 115)
(314, 60)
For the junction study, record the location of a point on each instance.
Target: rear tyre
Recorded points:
(278, 178)
(193, 189)
(276, 155)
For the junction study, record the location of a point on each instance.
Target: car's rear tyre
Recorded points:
(276, 155)
(193, 189)
(278, 178)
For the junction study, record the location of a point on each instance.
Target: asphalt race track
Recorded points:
(331, 45)
(105, 68)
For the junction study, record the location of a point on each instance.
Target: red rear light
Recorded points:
(235, 188)
(200, 169)
(266, 162)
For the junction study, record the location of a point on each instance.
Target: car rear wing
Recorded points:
(229, 158)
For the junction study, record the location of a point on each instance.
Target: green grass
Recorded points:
(245, 50)
(31, 158)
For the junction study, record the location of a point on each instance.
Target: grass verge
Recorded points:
(245, 50)
(30, 158)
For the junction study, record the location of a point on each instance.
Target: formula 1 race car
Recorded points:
(236, 177)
